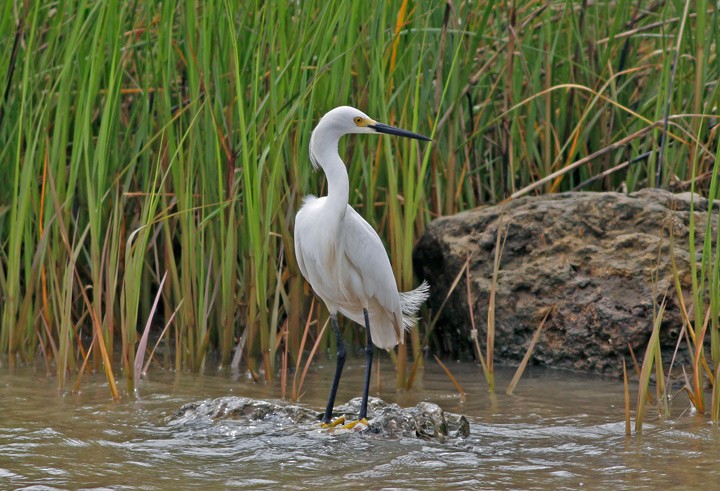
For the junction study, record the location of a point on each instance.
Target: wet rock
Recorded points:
(242, 408)
(601, 261)
(426, 420)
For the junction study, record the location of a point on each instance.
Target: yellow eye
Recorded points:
(358, 120)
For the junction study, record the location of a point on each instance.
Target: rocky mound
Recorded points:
(425, 420)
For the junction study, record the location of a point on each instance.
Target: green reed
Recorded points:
(701, 152)
(148, 138)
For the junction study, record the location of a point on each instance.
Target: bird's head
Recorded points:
(345, 119)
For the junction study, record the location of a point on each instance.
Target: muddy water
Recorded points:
(560, 431)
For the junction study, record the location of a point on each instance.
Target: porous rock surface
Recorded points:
(425, 420)
(600, 261)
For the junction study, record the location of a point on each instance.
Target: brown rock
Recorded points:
(602, 260)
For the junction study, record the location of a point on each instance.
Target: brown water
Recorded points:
(560, 431)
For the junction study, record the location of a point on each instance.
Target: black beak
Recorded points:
(391, 130)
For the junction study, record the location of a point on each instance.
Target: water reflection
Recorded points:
(560, 431)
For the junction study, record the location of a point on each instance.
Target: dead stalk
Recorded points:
(458, 387)
(528, 353)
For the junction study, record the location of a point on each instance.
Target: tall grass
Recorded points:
(148, 138)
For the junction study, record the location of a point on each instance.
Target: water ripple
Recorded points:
(564, 433)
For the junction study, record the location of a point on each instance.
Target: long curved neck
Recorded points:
(324, 152)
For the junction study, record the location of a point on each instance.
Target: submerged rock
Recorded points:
(601, 262)
(426, 420)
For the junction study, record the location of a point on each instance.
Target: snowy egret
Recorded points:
(342, 256)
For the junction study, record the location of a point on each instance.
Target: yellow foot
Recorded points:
(353, 424)
(341, 422)
(333, 424)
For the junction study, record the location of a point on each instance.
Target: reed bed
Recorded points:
(154, 154)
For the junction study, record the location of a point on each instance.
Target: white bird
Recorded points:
(342, 256)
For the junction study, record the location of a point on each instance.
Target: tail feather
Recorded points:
(411, 301)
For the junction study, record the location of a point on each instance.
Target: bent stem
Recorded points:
(458, 387)
(528, 353)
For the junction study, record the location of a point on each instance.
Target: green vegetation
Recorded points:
(143, 139)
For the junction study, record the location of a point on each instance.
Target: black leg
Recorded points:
(368, 366)
(340, 345)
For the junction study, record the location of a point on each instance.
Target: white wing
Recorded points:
(365, 253)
